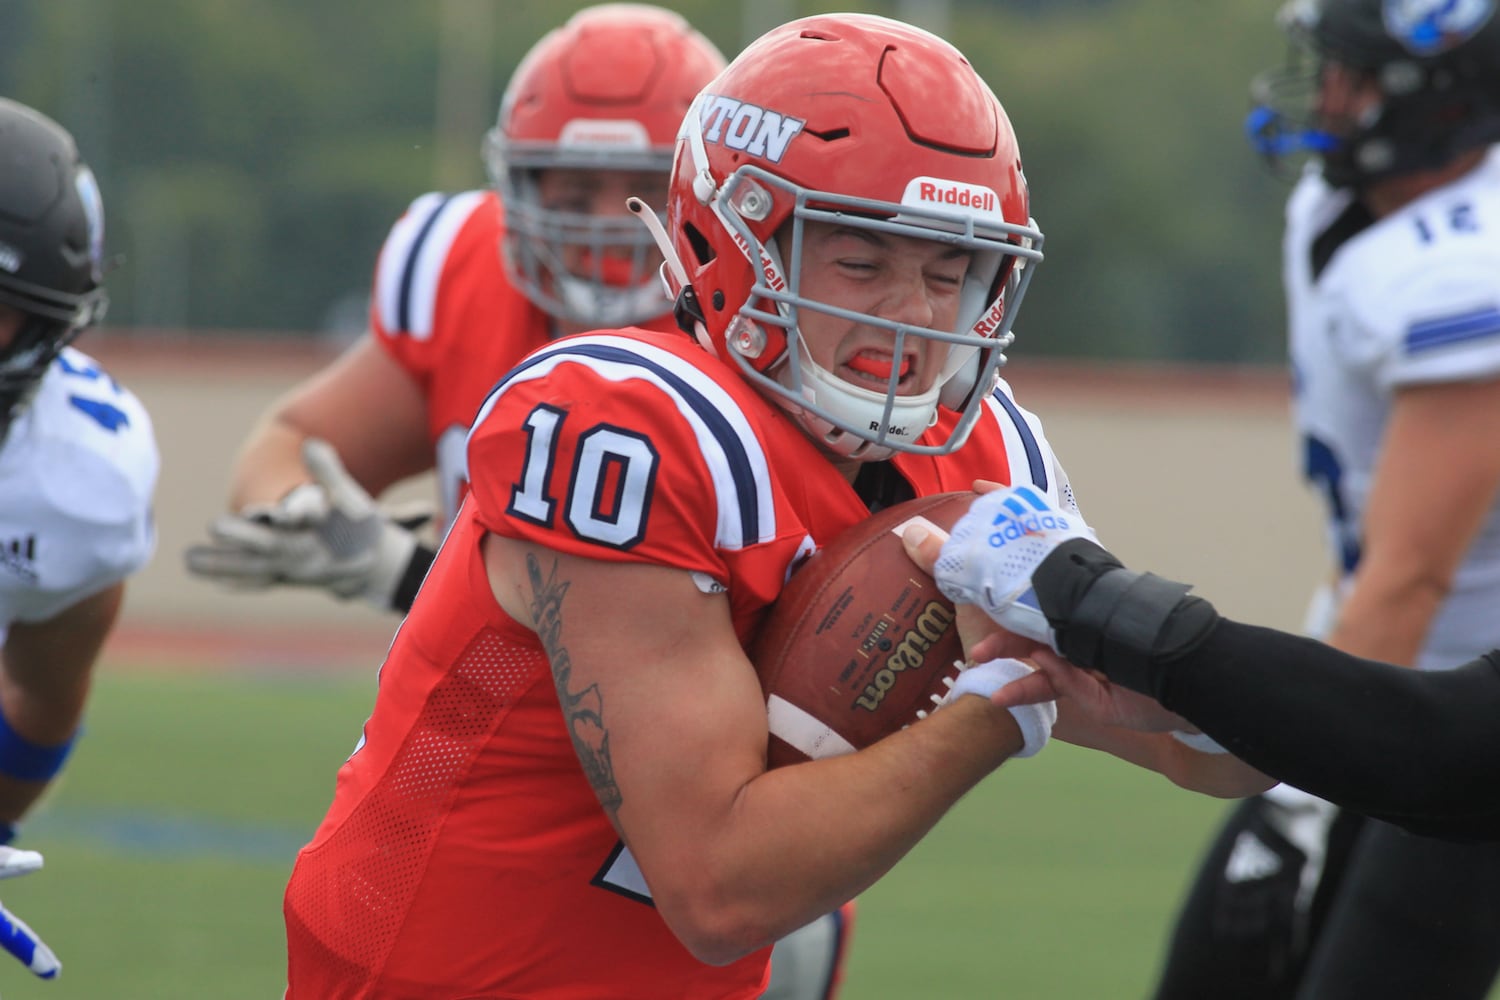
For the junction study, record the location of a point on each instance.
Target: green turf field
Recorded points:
(168, 842)
(172, 832)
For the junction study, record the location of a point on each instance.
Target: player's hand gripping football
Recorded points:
(970, 568)
(985, 675)
(992, 551)
(327, 533)
(15, 936)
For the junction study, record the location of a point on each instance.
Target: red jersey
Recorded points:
(465, 853)
(445, 311)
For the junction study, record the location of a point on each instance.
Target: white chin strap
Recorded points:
(854, 405)
(585, 302)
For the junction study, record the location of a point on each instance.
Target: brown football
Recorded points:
(860, 640)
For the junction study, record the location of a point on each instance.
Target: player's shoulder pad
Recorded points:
(682, 372)
(417, 250)
(91, 445)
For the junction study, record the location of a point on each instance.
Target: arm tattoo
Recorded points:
(584, 711)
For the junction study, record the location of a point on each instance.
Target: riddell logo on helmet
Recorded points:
(990, 321)
(768, 269)
(937, 192)
(748, 128)
(603, 133)
(983, 198)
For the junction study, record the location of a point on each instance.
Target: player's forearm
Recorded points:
(1386, 615)
(1218, 774)
(44, 685)
(1414, 747)
(38, 726)
(269, 464)
(1405, 745)
(799, 841)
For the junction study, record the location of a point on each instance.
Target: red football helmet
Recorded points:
(605, 91)
(868, 123)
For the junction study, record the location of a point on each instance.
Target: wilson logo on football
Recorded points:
(908, 654)
(747, 127)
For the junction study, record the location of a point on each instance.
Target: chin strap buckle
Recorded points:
(687, 311)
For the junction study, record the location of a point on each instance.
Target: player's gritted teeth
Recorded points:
(875, 367)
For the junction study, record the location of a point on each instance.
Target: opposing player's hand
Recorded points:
(988, 559)
(1090, 692)
(15, 936)
(327, 533)
(1034, 717)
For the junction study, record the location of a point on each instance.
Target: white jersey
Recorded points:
(77, 474)
(1411, 299)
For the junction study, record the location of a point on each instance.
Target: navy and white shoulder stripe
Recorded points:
(1020, 440)
(729, 446)
(411, 261)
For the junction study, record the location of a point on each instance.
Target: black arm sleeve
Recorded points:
(1420, 749)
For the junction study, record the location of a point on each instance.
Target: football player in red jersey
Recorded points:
(466, 284)
(562, 789)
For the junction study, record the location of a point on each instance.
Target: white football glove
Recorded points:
(328, 533)
(15, 937)
(984, 679)
(992, 551)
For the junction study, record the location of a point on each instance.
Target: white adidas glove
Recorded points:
(328, 533)
(992, 551)
(984, 679)
(15, 936)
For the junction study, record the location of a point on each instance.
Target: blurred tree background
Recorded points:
(253, 153)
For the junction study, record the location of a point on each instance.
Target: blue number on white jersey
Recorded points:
(106, 414)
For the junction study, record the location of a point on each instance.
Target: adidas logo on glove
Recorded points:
(1015, 520)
